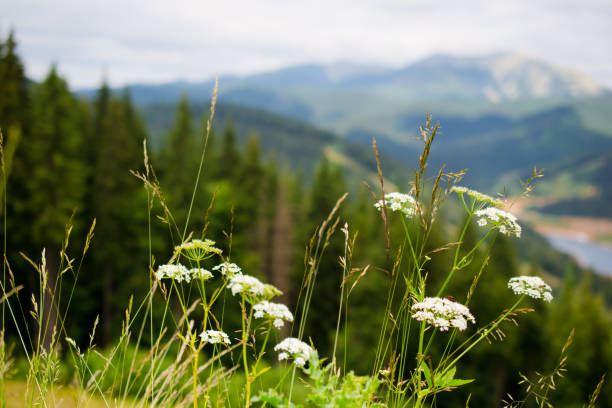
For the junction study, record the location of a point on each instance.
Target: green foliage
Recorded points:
(327, 389)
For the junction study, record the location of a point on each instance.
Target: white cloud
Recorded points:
(165, 40)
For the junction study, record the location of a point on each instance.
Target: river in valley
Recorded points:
(587, 253)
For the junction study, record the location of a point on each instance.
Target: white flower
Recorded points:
(292, 347)
(502, 220)
(200, 273)
(532, 286)
(403, 203)
(214, 337)
(478, 196)
(246, 284)
(228, 269)
(197, 250)
(442, 313)
(177, 272)
(276, 311)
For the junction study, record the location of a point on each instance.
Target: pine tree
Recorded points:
(13, 87)
(178, 166)
(228, 158)
(327, 187)
(51, 175)
(116, 203)
(14, 104)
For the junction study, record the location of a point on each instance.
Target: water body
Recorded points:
(589, 254)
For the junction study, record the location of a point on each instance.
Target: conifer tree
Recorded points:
(13, 87)
(51, 175)
(178, 166)
(327, 187)
(116, 203)
(14, 104)
(228, 158)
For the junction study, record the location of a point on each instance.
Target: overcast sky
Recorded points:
(157, 41)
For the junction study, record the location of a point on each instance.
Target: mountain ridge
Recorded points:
(494, 77)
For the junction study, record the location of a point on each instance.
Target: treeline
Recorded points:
(67, 162)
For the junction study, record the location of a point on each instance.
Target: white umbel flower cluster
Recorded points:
(200, 273)
(228, 269)
(505, 222)
(197, 250)
(532, 286)
(246, 284)
(277, 311)
(478, 196)
(177, 272)
(442, 313)
(294, 348)
(214, 337)
(398, 202)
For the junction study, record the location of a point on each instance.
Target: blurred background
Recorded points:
(304, 87)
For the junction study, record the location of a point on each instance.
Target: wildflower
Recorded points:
(246, 284)
(442, 313)
(500, 219)
(214, 337)
(403, 203)
(177, 272)
(197, 250)
(532, 286)
(478, 196)
(228, 269)
(276, 311)
(200, 273)
(292, 347)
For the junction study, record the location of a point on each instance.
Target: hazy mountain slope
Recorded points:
(293, 142)
(498, 150)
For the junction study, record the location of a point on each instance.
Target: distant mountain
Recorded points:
(497, 77)
(505, 76)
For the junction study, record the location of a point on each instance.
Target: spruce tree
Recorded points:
(116, 202)
(327, 187)
(178, 166)
(228, 158)
(51, 175)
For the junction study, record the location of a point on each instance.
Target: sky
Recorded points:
(159, 41)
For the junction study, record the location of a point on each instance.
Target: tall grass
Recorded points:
(208, 363)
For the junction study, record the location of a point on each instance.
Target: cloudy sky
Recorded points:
(157, 41)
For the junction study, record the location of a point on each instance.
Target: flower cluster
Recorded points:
(177, 272)
(214, 337)
(532, 286)
(478, 196)
(504, 221)
(294, 348)
(246, 284)
(200, 273)
(228, 269)
(197, 250)
(276, 311)
(404, 203)
(442, 313)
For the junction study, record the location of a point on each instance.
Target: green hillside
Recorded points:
(297, 144)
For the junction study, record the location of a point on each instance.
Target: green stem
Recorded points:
(247, 399)
(195, 377)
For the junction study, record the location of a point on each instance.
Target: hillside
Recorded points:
(295, 143)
